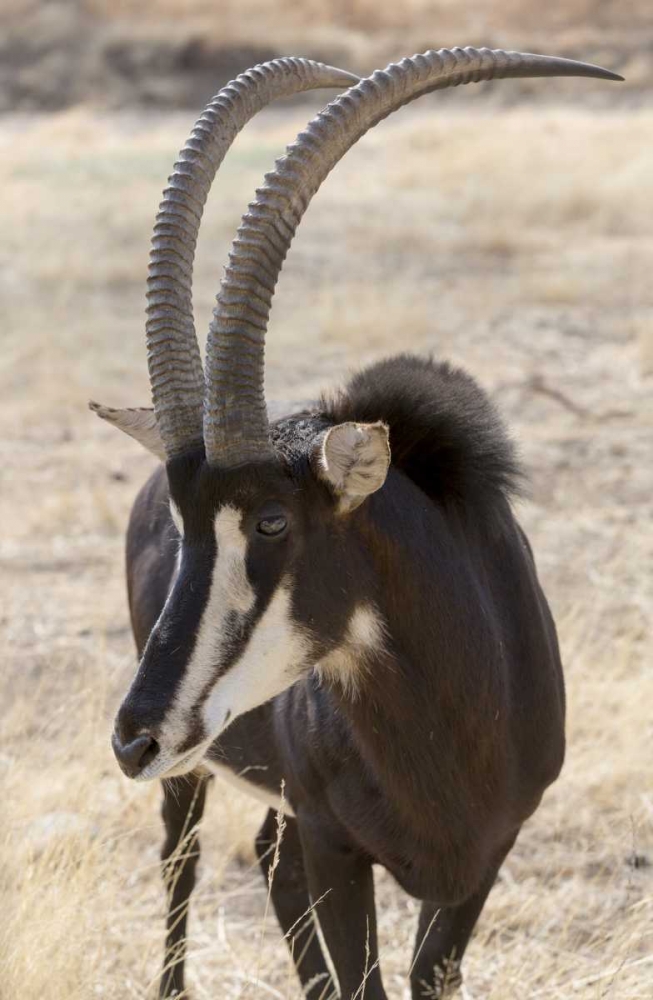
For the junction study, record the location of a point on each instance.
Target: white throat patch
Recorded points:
(240, 782)
(175, 514)
(230, 592)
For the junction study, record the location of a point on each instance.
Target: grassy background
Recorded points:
(173, 53)
(515, 241)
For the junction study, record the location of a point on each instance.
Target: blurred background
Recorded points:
(505, 227)
(172, 53)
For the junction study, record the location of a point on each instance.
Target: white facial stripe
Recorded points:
(242, 784)
(230, 591)
(273, 659)
(347, 664)
(275, 655)
(175, 514)
(171, 587)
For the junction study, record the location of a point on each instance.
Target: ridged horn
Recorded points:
(173, 354)
(235, 419)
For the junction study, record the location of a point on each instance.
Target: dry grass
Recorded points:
(380, 21)
(170, 53)
(519, 246)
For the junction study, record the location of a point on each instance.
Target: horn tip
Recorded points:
(573, 67)
(602, 73)
(344, 76)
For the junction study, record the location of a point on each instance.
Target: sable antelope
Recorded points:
(342, 598)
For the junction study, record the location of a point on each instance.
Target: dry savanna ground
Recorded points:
(518, 245)
(170, 53)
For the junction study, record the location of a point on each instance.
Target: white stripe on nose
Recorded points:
(230, 598)
(276, 654)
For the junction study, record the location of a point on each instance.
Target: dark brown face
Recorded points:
(267, 583)
(226, 639)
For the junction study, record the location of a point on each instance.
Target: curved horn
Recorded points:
(235, 419)
(173, 354)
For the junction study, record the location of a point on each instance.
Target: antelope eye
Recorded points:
(272, 525)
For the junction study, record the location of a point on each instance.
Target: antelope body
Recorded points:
(340, 600)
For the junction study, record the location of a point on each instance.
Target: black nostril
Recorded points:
(134, 757)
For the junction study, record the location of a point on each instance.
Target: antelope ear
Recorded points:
(139, 422)
(353, 459)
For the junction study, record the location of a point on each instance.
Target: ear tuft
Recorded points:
(353, 459)
(139, 422)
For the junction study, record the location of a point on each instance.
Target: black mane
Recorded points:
(445, 433)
